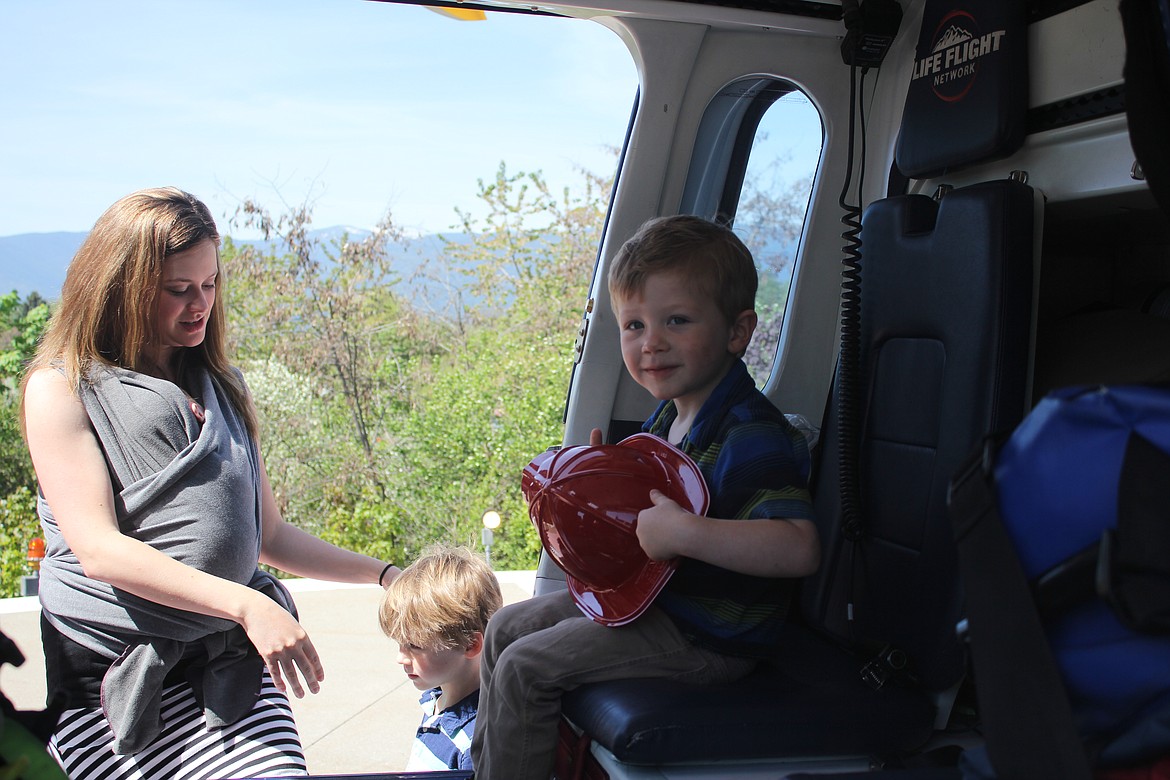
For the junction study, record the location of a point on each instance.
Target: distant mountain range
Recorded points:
(36, 262)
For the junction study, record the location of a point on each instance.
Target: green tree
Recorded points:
(386, 423)
(16, 469)
(22, 322)
(495, 396)
(322, 305)
(485, 413)
(531, 257)
(327, 346)
(18, 525)
(769, 220)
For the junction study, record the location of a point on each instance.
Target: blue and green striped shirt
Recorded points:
(756, 465)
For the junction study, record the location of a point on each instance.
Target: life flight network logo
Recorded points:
(959, 46)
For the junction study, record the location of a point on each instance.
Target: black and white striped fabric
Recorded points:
(264, 743)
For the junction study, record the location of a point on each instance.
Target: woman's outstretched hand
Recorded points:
(284, 646)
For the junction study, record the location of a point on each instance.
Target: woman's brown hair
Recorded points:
(107, 306)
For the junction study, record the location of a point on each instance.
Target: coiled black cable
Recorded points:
(849, 357)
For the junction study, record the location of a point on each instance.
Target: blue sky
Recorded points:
(356, 106)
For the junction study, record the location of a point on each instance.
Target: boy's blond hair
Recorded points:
(708, 253)
(441, 600)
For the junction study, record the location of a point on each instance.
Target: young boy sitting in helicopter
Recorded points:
(683, 291)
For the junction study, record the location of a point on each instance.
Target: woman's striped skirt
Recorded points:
(264, 743)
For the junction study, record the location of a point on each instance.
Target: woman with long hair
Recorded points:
(169, 647)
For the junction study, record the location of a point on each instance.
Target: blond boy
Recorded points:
(437, 611)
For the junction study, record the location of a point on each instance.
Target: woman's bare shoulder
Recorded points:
(46, 380)
(47, 390)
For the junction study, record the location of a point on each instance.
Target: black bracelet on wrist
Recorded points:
(381, 576)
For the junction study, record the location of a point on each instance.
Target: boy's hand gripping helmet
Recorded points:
(585, 502)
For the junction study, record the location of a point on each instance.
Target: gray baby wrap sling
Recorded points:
(190, 489)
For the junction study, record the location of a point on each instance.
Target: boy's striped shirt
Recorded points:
(756, 465)
(443, 740)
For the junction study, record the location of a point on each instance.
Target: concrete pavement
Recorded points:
(364, 718)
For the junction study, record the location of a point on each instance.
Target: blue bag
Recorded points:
(1083, 490)
(1063, 536)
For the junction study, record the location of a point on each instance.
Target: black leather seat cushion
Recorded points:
(810, 700)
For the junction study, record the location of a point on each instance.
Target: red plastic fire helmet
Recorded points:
(585, 501)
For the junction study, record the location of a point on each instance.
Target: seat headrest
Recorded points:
(968, 96)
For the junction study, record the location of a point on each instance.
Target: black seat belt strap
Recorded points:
(1026, 716)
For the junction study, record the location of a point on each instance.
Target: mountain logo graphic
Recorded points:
(952, 36)
(957, 47)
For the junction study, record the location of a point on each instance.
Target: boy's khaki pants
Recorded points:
(536, 650)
